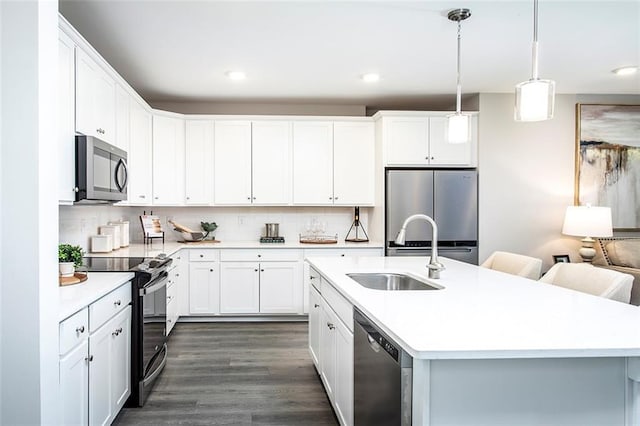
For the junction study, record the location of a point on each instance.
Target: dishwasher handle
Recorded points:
(373, 344)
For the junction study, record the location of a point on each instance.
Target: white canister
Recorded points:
(101, 243)
(124, 232)
(114, 231)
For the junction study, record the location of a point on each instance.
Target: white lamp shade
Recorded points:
(587, 221)
(535, 100)
(458, 128)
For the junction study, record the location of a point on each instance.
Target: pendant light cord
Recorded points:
(458, 86)
(534, 53)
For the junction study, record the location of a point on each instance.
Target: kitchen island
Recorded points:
(492, 348)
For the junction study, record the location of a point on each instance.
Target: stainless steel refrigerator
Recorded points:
(450, 197)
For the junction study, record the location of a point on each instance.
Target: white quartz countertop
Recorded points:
(75, 297)
(170, 247)
(482, 313)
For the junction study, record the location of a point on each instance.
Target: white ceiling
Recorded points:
(315, 51)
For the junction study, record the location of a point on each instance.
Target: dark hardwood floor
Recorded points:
(236, 374)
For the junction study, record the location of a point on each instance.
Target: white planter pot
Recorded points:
(66, 269)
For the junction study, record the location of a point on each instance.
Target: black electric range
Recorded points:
(148, 317)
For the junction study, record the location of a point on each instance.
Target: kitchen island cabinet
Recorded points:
(507, 349)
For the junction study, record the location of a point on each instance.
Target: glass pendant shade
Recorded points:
(535, 100)
(458, 128)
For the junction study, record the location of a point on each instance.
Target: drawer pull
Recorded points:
(202, 255)
(80, 329)
(210, 270)
(312, 277)
(117, 303)
(331, 326)
(89, 358)
(255, 270)
(315, 305)
(259, 255)
(117, 332)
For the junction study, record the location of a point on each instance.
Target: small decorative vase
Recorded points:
(66, 269)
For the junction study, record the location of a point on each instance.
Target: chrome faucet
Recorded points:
(434, 266)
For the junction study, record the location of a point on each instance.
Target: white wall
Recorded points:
(526, 173)
(28, 203)
(78, 223)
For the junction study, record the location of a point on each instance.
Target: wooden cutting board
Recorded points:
(77, 278)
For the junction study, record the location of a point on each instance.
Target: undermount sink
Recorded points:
(391, 281)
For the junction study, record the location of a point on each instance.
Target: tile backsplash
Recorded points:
(78, 223)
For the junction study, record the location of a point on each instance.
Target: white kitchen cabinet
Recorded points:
(314, 325)
(239, 287)
(328, 348)
(199, 162)
(232, 163)
(313, 162)
(120, 356)
(204, 288)
(168, 160)
(140, 157)
(172, 294)
(280, 288)
(95, 99)
(343, 391)
(271, 162)
(66, 124)
(123, 126)
(419, 139)
(74, 386)
(353, 163)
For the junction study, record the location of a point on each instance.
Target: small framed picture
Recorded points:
(558, 258)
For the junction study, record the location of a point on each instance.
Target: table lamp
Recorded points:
(587, 221)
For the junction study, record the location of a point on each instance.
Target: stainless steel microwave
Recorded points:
(101, 171)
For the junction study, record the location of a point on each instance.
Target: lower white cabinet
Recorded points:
(204, 288)
(95, 368)
(331, 346)
(280, 288)
(239, 288)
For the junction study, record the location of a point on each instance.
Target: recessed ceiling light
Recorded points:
(236, 75)
(370, 77)
(625, 70)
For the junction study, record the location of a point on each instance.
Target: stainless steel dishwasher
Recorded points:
(383, 374)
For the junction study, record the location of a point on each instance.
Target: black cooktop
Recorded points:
(145, 268)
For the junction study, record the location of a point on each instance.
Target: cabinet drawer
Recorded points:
(261, 255)
(108, 306)
(338, 303)
(343, 252)
(74, 330)
(204, 255)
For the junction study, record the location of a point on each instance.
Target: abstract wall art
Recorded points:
(608, 161)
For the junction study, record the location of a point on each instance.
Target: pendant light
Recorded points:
(458, 123)
(535, 97)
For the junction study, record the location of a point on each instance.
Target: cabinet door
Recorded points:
(313, 162)
(443, 152)
(204, 288)
(66, 129)
(314, 325)
(199, 162)
(168, 160)
(100, 370)
(104, 109)
(85, 76)
(121, 360)
(74, 386)
(328, 348)
(232, 162)
(140, 159)
(344, 374)
(280, 287)
(271, 162)
(123, 105)
(353, 163)
(239, 288)
(406, 140)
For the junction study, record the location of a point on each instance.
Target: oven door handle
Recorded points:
(158, 370)
(161, 282)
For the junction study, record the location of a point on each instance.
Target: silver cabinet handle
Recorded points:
(76, 189)
(331, 198)
(202, 255)
(259, 255)
(117, 303)
(142, 196)
(155, 198)
(255, 270)
(315, 305)
(335, 198)
(248, 198)
(261, 270)
(210, 270)
(331, 326)
(80, 329)
(253, 198)
(89, 358)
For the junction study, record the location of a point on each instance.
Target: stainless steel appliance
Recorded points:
(449, 196)
(383, 374)
(148, 318)
(101, 171)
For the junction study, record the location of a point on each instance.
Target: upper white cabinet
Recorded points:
(168, 160)
(232, 163)
(333, 163)
(353, 163)
(140, 158)
(66, 129)
(271, 162)
(313, 162)
(123, 126)
(198, 162)
(419, 139)
(95, 99)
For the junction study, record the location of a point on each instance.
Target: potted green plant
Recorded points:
(68, 258)
(209, 228)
